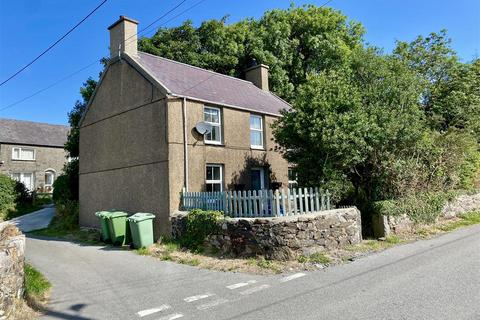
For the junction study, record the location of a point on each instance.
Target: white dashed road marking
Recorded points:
(255, 289)
(172, 316)
(293, 276)
(212, 304)
(199, 297)
(241, 284)
(148, 312)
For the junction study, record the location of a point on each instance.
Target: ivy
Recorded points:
(199, 225)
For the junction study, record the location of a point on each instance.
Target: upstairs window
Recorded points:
(213, 178)
(23, 154)
(256, 132)
(212, 116)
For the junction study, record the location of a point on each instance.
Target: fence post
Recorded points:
(317, 203)
(300, 200)
(294, 201)
(283, 203)
(271, 203)
(249, 203)
(277, 203)
(254, 203)
(328, 200)
(305, 195)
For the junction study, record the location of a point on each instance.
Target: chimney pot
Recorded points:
(123, 37)
(258, 75)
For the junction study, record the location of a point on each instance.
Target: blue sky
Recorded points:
(28, 27)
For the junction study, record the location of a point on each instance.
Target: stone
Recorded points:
(282, 238)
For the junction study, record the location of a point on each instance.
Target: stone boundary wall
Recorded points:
(386, 225)
(282, 238)
(12, 258)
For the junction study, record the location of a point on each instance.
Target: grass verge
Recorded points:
(37, 288)
(58, 229)
(36, 295)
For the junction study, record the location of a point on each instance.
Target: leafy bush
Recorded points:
(200, 224)
(421, 207)
(22, 195)
(61, 189)
(67, 215)
(7, 195)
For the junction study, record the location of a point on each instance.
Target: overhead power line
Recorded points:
(54, 44)
(96, 61)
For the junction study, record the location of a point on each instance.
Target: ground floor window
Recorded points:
(214, 177)
(26, 178)
(49, 178)
(292, 178)
(257, 178)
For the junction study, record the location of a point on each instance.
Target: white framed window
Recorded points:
(214, 177)
(23, 153)
(257, 176)
(292, 178)
(256, 132)
(49, 177)
(212, 116)
(27, 178)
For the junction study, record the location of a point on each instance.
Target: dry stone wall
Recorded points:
(12, 258)
(384, 225)
(282, 238)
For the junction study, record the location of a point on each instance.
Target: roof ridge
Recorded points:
(202, 69)
(35, 122)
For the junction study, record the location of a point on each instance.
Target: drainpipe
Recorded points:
(185, 143)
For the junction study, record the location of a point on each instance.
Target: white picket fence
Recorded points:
(261, 203)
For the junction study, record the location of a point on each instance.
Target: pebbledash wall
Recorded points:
(383, 225)
(282, 238)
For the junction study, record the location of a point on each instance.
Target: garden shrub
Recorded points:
(67, 215)
(22, 195)
(61, 189)
(422, 207)
(199, 225)
(7, 195)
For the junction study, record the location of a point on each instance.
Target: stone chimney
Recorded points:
(123, 37)
(258, 75)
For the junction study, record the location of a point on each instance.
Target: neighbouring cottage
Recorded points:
(141, 138)
(32, 152)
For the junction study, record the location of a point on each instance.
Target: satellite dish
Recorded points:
(202, 127)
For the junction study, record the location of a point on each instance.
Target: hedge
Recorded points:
(7, 195)
(421, 207)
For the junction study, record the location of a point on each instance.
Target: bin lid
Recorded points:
(115, 214)
(102, 214)
(140, 216)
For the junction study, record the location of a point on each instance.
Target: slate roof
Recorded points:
(208, 86)
(32, 133)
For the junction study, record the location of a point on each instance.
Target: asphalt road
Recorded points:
(434, 279)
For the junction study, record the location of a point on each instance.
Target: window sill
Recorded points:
(31, 160)
(214, 144)
(257, 148)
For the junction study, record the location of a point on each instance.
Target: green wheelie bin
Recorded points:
(103, 216)
(141, 227)
(117, 226)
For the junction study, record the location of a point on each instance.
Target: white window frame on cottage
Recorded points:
(214, 125)
(254, 130)
(20, 177)
(292, 178)
(53, 174)
(20, 155)
(214, 181)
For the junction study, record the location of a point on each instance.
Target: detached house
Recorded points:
(32, 152)
(141, 138)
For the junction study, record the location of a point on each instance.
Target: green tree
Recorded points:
(451, 96)
(348, 124)
(293, 42)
